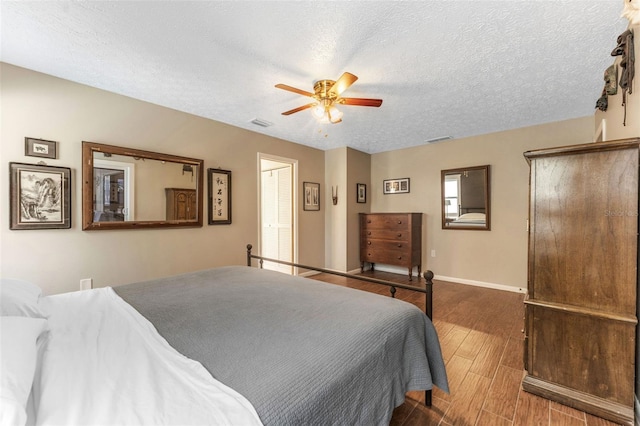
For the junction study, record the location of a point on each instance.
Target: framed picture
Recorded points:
(40, 148)
(395, 186)
(219, 196)
(361, 193)
(311, 196)
(39, 197)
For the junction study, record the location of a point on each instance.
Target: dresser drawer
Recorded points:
(387, 234)
(387, 221)
(389, 257)
(400, 246)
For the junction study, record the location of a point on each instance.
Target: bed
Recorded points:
(470, 219)
(233, 345)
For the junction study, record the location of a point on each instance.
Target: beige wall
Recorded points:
(335, 216)
(359, 172)
(344, 168)
(41, 106)
(497, 257)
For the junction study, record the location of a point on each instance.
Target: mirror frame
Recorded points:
(487, 198)
(89, 148)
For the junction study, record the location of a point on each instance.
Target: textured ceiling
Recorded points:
(443, 68)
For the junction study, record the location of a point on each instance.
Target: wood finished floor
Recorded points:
(480, 333)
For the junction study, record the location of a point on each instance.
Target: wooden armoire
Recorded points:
(182, 204)
(581, 306)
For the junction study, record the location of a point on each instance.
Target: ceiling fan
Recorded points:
(326, 95)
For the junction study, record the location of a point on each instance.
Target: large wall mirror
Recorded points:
(125, 188)
(465, 198)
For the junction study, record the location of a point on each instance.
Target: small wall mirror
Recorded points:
(125, 188)
(465, 198)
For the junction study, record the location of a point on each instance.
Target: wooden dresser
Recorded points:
(391, 239)
(581, 306)
(181, 204)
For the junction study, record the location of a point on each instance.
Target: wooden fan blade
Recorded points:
(343, 83)
(361, 102)
(294, 90)
(293, 111)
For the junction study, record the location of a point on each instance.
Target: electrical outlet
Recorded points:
(433, 253)
(86, 284)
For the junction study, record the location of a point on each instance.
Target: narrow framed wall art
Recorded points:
(361, 193)
(219, 196)
(311, 196)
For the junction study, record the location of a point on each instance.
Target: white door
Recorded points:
(277, 213)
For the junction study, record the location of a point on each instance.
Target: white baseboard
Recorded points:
(494, 286)
(403, 271)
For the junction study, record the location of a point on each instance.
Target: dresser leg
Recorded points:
(410, 274)
(361, 267)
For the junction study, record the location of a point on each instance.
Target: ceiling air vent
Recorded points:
(439, 139)
(261, 123)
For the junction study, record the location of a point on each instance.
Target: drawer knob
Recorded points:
(369, 242)
(399, 257)
(368, 220)
(399, 235)
(399, 245)
(369, 233)
(399, 222)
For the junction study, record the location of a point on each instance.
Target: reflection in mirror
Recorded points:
(465, 198)
(126, 188)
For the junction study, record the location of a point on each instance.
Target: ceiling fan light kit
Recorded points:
(327, 96)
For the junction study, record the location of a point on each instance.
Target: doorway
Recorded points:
(114, 191)
(278, 221)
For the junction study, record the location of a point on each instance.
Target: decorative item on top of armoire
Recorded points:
(581, 308)
(391, 239)
(631, 11)
(610, 87)
(219, 196)
(625, 49)
(181, 204)
(39, 197)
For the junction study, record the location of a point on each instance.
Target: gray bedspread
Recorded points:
(303, 352)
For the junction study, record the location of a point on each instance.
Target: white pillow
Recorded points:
(20, 298)
(18, 357)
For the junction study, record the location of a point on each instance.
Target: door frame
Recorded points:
(294, 202)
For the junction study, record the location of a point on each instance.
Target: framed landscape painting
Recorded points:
(39, 197)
